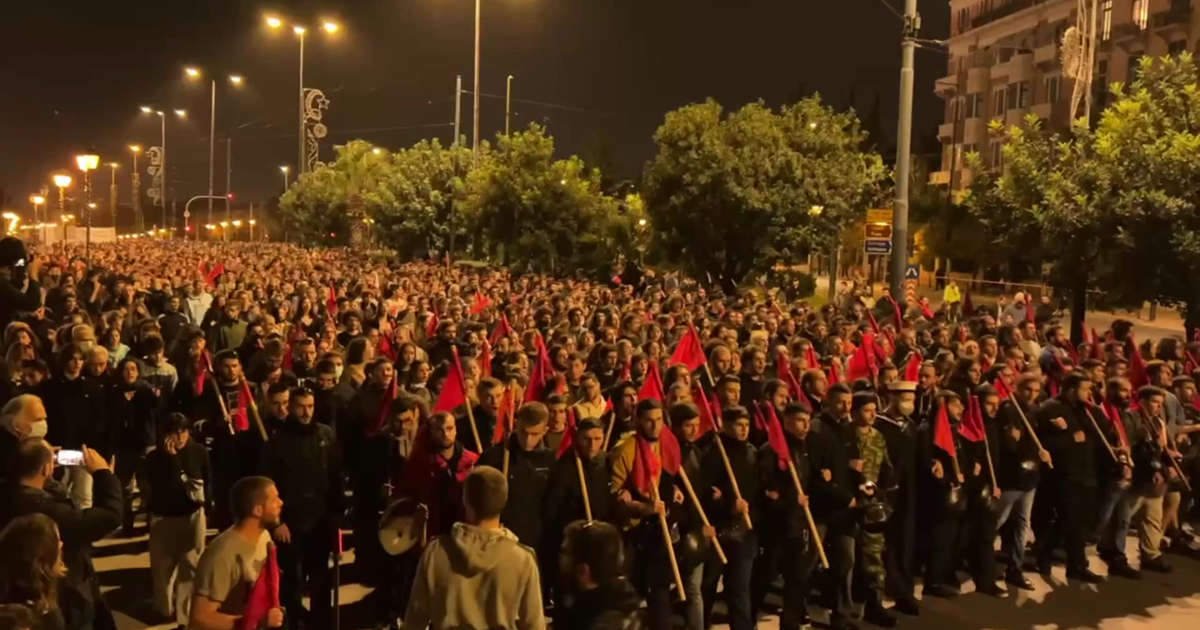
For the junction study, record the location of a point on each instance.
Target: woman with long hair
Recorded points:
(32, 568)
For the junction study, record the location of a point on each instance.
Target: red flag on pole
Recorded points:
(1114, 417)
(505, 412)
(972, 427)
(1001, 388)
(502, 329)
(943, 435)
(760, 420)
(1137, 365)
(912, 369)
(568, 440)
(1029, 316)
(385, 403)
(874, 324)
(689, 351)
(241, 415)
(454, 389)
(431, 324)
(811, 362)
(783, 370)
(835, 371)
(331, 302)
(708, 422)
(896, 313)
(647, 465)
(652, 387)
(480, 304)
(863, 363)
(541, 375)
(776, 438)
(264, 595)
(485, 358)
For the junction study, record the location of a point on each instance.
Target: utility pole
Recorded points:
(507, 103)
(908, 45)
(457, 109)
(475, 135)
(229, 180)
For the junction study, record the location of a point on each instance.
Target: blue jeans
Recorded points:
(1112, 523)
(1012, 521)
(741, 552)
(693, 608)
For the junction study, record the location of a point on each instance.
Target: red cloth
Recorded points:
(211, 276)
(811, 361)
(385, 347)
(504, 417)
(912, 369)
(647, 466)
(652, 387)
(760, 420)
(689, 351)
(1114, 417)
(1029, 316)
(874, 324)
(422, 475)
(331, 302)
(627, 371)
(835, 372)
(480, 304)
(972, 427)
(1001, 389)
(542, 375)
(431, 324)
(896, 313)
(943, 436)
(454, 389)
(924, 306)
(568, 440)
(485, 358)
(502, 329)
(708, 421)
(385, 403)
(1137, 365)
(241, 415)
(783, 370)
(264, 595)
(202, 364)
(864, 363)
(776, 438)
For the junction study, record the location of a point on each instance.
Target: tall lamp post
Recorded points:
(38, 200)
(235, 80)
(135, 181)
(62, 181)
(162, 166)
(475, 133)
(87, 162)
(284, 169)
(507, 102)
(112, 193)
(330, 27)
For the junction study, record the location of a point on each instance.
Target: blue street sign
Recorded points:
(878, 246)
(913, 272)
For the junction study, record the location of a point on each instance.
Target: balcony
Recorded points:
(946, 131)
(1043, 110)
(1126, 31)
(978, 80)
(1019, 67)
(1047, 54)
(975, 131)
(946, 86)
(1178, 17)
(1004, 10)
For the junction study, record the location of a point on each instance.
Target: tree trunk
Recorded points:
(835, 259)
(1078, 308)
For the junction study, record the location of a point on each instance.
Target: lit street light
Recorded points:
(162, 166)
(284, 170)
(112, 193)
(135, 181)
(234, 79)
(62, 180)
(331, 28)
(38, 200)
(87, 162)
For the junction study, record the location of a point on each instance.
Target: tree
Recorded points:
(731, 195)
(426, 183)
(317, 208)
(531, 209)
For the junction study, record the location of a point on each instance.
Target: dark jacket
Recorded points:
(133, 411)
(173, 480)
(1017, 464)
(1074, 462)
(78, 530)
(829, 450)
(485, 423)
(528, 476)
(564, 501)
(611, 607)
(743, 459)
(784, 516)
(14, 301)
(76, 411)
(304, 462)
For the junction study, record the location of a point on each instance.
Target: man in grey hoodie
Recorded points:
(478, 576)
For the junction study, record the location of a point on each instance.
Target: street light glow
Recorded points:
(113, 165)
(236, 79)
(146, 109)
(62, 181)
(136, 148)
(87, 161)
(376, 150)
(274, 22)
(330, 27)
(182, 113)
(299, 30)
(192, 72)
(237, 223)
(91, 205)
(284, 169)
(37, 200)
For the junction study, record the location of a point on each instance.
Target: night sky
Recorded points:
(602, 73)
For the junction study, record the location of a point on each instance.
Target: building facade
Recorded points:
(1005, 63)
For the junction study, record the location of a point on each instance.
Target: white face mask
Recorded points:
(37, 429)
(905, 407)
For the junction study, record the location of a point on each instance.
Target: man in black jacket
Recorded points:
(603, 598)
(488, 393)
(34, 466)
(526, 464)
(899, 430)
(304, 462)
(1017, 475)
(177, 473)
(837, 472)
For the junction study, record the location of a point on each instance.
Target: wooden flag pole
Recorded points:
(812, 524)
(687, 485)
(737, 492)
(1103, 438)
(583, 490)
(666, 532)
(609, 430)
(1032, 433)
(262, 430)
(220, 399)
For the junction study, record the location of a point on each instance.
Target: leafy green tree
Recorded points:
(320, 207)
(425, 184)
(731, 195)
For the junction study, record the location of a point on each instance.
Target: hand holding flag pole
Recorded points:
(666, 532)
(778, 443)
(1032, 433)
(687, 485)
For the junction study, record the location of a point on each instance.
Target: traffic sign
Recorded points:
(879, 231)
(913, 272)
(878, 246)
(879, 215)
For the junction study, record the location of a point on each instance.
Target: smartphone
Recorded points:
(68, 457)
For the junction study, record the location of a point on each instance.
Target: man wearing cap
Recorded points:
(877, 476)
(899, 431)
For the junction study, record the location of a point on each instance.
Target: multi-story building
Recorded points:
(1004, 64)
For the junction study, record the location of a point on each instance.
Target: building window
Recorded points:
(1024, 94)
(1176, 47)
(1135, 67)
(1106, 20)
(1051, 89)
(975, 105)
(998, 102)
(997, 154)
(1141, 13)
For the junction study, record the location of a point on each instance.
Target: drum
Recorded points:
(399, 529)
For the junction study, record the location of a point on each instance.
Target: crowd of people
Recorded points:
(515, 451)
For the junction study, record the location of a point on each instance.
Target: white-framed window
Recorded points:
(1051, 87)
(1106, 20)
(1141, 13)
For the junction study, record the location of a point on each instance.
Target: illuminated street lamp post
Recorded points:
(87, 162)
(38, 200)
(112, 194)
(329, 27)
(162, 186)
(284, 170)
(135, 181)
(62, 180)
(235, 80)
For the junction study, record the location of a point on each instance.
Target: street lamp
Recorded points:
(235, 80)
(87, 162)
(284, 170)
(135, 181)
(330, 27)
(162, 166)
(507, 102)
(38, 200)
(112, 193)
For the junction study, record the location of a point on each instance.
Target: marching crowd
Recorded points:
(511, 451)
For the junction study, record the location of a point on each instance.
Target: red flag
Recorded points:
(504, 417)
(1114, 417)
(874, 324)
(783, 370)
(485, 358)
(835, 371)
(211, 276)
(502, 329)
(385, 405)
(760, 420)
(202, 363)
(668, 446)
(708, 421)
(1002, 390)
(912, 369)
(241, 415)
(811, 362)
(627, 371)
(568, 440)
(896, 313)
(454, 389)
(331, 302)
(541, 375)
(1029, 316)
(652, 387)
(943, 436)
(480, 304)
(431, 324)
(923, 304)
(972, 427)
(863, 364)
(689, 351)
(1137, 365)
(287, 356)
(647, 465)
(776, 438)
(264, 595)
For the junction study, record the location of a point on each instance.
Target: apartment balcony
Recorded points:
(1004, 10)
(1047, 54)
(1177, 18)
(1018, 68)
(979, 80)
(946, 86)
(1043, 110)
(1126, 31)
(946, 131)
(1015, 116)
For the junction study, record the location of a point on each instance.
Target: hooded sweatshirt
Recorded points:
(478, 579)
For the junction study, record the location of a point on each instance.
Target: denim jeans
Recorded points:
(693, 608)
(1112, 523)
(1012, 521)
(741, 551)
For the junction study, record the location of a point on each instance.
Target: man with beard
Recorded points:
(1117, 494)
(328, 407)
(624, 396)
(526, 463)
(303, 459)
(230, 565)
(360, 433)
(899, 431)
(434, 475)
(304, 358)
(977, 534)
(1067, 494)
(639, 511)
(224, 405)
(1017, 475)
(591, 403)
(556, 427)
(485, 413)
(927, 392)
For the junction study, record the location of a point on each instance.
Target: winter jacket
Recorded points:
(481, 579)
